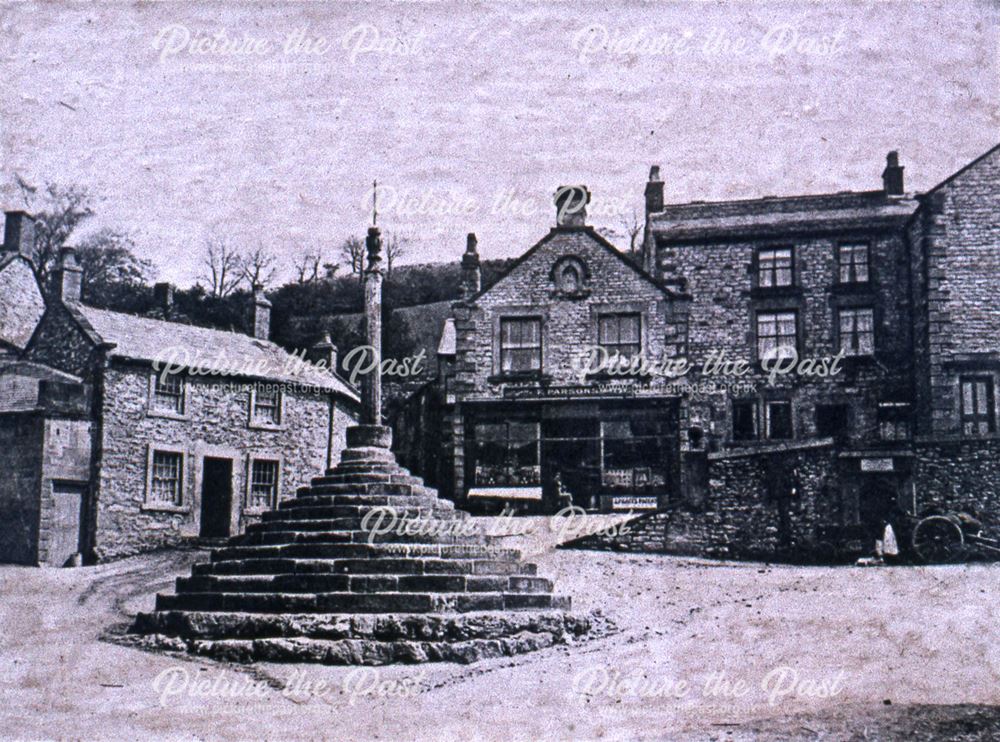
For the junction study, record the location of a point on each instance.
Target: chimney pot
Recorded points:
(471, 272)
(571, 205)
(261, 314)
(324, 353)
(892, 176)
(19, 233)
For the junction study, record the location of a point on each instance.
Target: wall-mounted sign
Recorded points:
(633, 502)
(876, 465)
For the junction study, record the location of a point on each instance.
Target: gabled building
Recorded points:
(191, 432)
(524, 421)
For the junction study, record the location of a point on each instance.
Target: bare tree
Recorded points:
(307, 268)
(58, 211)
(396, 247)
(633, 228)
(221, 267)
(258, 267)
(353, 252)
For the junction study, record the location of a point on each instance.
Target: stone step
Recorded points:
(292, 534)
(449, 521)
(372, 565)
(366, 583)
(365, 550)
(366, 478)
(314, 497)
(379, 514)
(385, 627)
(348, 602)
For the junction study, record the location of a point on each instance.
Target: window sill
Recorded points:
(762, 292)
(167, 414)
(280, 428)
(147, 507)
(855, 287)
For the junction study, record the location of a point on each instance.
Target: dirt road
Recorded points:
(705, 650)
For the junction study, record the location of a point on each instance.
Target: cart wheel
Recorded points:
(938, 539)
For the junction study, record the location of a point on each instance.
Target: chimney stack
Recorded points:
(471, 274)
(68, 277)
(19, 234)
(654, 191)
(261, 314)
(892, 176)
(571, 205)
(324, 353)
(163, 298)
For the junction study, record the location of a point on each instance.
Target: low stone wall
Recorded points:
(760, 503)
(959, 475)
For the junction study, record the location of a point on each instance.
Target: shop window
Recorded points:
(744, 420)
(521, 345)
(263, 493)
(620, 334)
(634, 456)
(774, 267)
(778, 420)
(852, 262)
(507, 454)
(894, 421)
(777, 335)
(977, 406)
(857, 331)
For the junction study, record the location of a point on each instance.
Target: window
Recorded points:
(776, 335)
(166, 478)
(852, 260)
(778, 420)
(744, 420)
(507, 454)
(977, 406)
(267, 406)
(263, 484)
(520, 345)
(894, 421)
(168, 393)
(619, 333)
(774, 267)
(857, 331)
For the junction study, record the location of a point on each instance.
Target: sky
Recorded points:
(265, 124)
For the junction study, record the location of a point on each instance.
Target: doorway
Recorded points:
(877, 503)
(65, 533)
(216, 497)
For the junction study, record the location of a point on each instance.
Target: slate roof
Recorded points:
(230, 353)
(780, 216)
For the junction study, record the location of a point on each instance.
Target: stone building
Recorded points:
(851, 341)
(180, 431)
(524, 422)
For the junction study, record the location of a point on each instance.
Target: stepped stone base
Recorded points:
(311, 582)
(362, 639)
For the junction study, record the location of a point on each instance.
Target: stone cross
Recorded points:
(371, 384)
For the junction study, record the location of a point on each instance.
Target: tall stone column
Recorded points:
(371, 432)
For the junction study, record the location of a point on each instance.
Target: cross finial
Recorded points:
(374, 203)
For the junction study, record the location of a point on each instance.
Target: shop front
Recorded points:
(542, 455)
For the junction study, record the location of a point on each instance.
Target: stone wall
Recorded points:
(960, 475)
(216, 423)
(955, 261)
(758, 505)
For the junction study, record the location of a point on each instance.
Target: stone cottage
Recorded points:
(186, 432)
